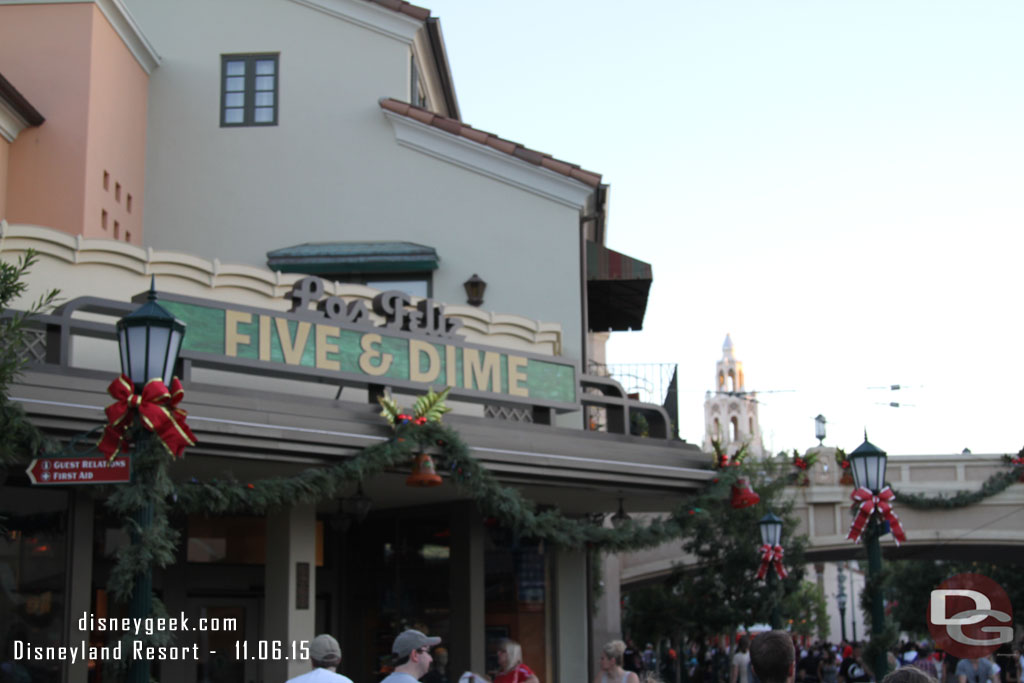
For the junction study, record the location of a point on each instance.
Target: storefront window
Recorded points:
(33, 563)
(235, 540)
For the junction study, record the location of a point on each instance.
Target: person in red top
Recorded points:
(510, 665)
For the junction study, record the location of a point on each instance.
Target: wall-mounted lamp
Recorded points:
(475, 287)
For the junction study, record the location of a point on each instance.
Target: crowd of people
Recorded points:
(772, 657)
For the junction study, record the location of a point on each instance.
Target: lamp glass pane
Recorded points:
(159, 339)
(122, 343)
(860, 471)
(771, 531)
(879, 471)
(172, 354)
(136, 343)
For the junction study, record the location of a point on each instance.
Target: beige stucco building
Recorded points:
(232, 150)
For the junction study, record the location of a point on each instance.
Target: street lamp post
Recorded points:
(868, 463)
(149, 339)
(841, 601)
(771, 536)
(853, 611)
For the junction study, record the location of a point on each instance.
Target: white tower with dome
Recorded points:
(730, 411)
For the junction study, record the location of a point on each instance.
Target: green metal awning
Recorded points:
(318, 258)
(617, 289)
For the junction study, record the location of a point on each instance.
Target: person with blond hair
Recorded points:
(908, 674)
(611, 665)
(510, 665)
(740, 661)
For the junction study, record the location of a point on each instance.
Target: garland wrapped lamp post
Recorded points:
(149, 339)
(771, 548)
(868, 463)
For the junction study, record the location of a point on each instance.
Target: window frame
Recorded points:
(249, 91)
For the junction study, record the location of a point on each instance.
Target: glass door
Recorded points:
(228, 623)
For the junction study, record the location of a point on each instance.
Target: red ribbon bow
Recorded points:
(771, 555)
(157, 407)
(871, 503)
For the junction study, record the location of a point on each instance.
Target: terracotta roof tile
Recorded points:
(501, 145)
(585, 176)
(395, 106)
(530, 155)
(456, 127)
(474, 135)
(448, 125)
(421, 115)
(557, 166)
(421, 13)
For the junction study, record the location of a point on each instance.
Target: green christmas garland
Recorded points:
(994, 485)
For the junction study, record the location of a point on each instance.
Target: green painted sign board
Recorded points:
(363, 354)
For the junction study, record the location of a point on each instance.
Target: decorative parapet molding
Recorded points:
(251, 285)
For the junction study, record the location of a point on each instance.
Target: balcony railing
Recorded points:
(649, 383)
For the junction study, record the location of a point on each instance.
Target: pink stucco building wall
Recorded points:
(5, 154)
(77, 170)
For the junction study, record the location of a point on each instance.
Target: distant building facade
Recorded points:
(730, 411)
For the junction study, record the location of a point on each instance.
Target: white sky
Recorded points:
(838, 184)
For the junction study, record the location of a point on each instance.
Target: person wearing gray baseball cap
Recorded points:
(411, 651)
(325, 656)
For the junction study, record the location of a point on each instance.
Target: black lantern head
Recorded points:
(841, 601)
(819, 428)
(150, 339)
(620, 517)
(868, 465)
(475, 287)
(358, 505)
(771, 530)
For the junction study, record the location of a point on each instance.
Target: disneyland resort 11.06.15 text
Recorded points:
(141, 650)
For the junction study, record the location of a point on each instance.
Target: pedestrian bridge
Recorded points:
(992, 529)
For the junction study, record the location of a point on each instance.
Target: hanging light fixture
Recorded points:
(359, 505)
(149, 339)
(620, 517)
(475, 287)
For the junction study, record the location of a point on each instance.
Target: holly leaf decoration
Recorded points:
(431, 405)
(391, 409)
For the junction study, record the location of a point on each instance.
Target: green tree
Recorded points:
(807, 611)
(718, 591)
(908, 585)
(17, 436)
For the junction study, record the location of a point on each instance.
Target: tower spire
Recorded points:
(730, 412)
